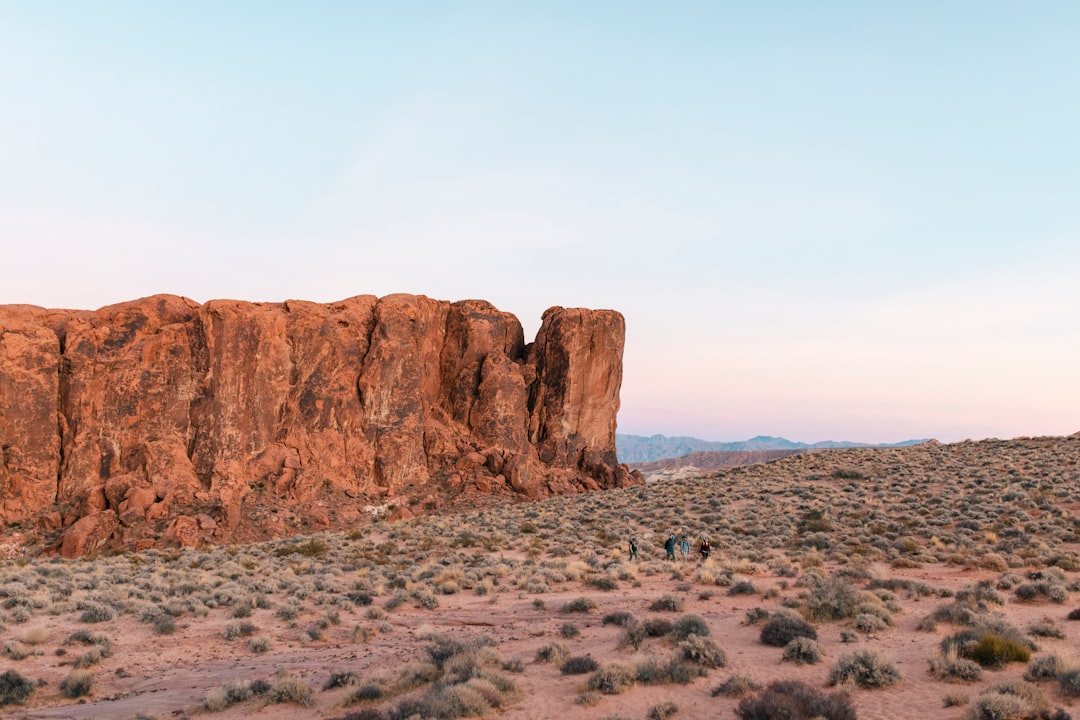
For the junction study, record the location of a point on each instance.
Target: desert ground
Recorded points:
(936, 581)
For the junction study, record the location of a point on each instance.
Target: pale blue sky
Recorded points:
(831, 220)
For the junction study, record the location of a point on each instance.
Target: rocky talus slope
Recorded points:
(165, 422)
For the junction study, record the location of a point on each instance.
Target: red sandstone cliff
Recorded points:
(161, 421)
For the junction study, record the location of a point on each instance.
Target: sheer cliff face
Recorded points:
(161, 421)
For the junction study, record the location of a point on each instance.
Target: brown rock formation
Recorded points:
(165, 421)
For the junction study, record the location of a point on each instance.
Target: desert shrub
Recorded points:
(311, 548)
(359, 597)
(579, 605)
(782, 629)
(743, 587)
(950, 666)
(364, 714)
(85, 637)
(366, 693)
(14, 650)
(701, 651)
(756, 615)
(954, 613)
(689, 624)
(603, 582)
(657, 627)
(650, 672)
(980, 595)
(76, 684)
(588, 699)
(1016, 700)
(867, 623)
(831, 598)
(259, 644)
(569, 630)
(1069, 682)
(1054, 592)
(865, 668)
(955, 699)
(802, 650)
(993, 650)
(1073, 614)
(14, 688)
(1047, 629)
(579, 665)
(1046, 667)
(996, 706)
(667, 603)
(240, 629)
(554, 653)
(93, 612)
(794, 700)
(633, 635)
(345, 678)
(735, 686)
(288, 688)
(619, 618)
(612, 678)
(164, 625)
(662, 711)
(425, 599)
(87, 659)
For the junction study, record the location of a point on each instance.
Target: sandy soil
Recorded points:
(169, 676)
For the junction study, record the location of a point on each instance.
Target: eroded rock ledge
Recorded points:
(162, 421)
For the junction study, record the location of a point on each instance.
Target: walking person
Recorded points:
(684, 547)
(705, 549)
(633, 549)
(669, 547)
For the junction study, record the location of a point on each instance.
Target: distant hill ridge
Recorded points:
(639, 448)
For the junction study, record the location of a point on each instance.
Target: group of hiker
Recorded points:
(669, 547)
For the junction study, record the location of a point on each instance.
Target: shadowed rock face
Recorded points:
(165, 422)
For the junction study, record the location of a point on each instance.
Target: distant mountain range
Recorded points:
(638, 448)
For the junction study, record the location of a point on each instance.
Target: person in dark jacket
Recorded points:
(705, 549)
(633, 549)
(669, 546)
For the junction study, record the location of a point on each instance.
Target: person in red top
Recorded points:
(705, 549)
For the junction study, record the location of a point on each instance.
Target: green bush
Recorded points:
(993, 650)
